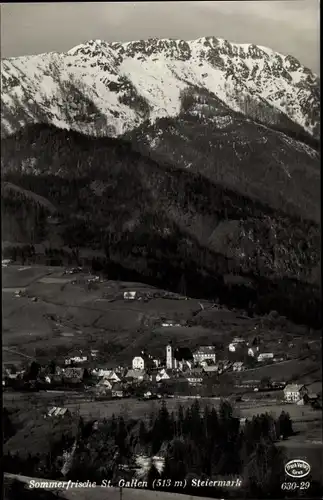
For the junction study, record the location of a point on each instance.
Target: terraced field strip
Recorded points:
(54, 281)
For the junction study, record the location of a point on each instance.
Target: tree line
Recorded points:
(194, 441)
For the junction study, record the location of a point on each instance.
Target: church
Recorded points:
(171, 361)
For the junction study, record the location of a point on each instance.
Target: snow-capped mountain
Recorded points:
(106, 88)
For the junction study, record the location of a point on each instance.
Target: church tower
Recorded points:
(169, 356)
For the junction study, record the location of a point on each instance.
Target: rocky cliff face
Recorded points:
(110, 88)
(237, 152)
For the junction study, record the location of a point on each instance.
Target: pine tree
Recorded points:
(142, 433)
(180, 421)
(152, 475)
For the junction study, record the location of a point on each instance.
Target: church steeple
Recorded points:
(169, 356)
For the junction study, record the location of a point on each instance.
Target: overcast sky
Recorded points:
(289, 26)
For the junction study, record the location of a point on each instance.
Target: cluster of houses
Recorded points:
(149, 294)
(303, 394)
(6, 262)
(239, 345)
(180, 365)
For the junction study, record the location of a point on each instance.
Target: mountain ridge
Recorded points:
(180, 160)
(130, 82)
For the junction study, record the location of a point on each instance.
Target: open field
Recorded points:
(19, 276)
(60, 311)
(66, 304)
(83, 405)
(285, 370)
(55, 281)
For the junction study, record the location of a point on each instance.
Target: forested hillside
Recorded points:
(162, 224)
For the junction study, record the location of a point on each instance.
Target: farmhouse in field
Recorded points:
(203, 353)
(294, 392)
(57, 412)
(265, 356)
(6, 262)
(169, 323)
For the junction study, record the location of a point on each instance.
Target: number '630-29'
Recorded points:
(304, 485)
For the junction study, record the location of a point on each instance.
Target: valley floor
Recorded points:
(45, 309)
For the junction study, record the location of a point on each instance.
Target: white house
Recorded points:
(129, 295)
(169, 322)
(138, 363)
(143, 361)
(76, 359)
(237, 366)
(203, 353)
(55, 411)
(6, 262)
(264, 356)
(75, 356)
(162, 375)
(294, 392)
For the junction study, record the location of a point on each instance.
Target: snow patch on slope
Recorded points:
(159, 70)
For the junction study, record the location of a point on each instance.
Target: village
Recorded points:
(181, 373)
(184, 354)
